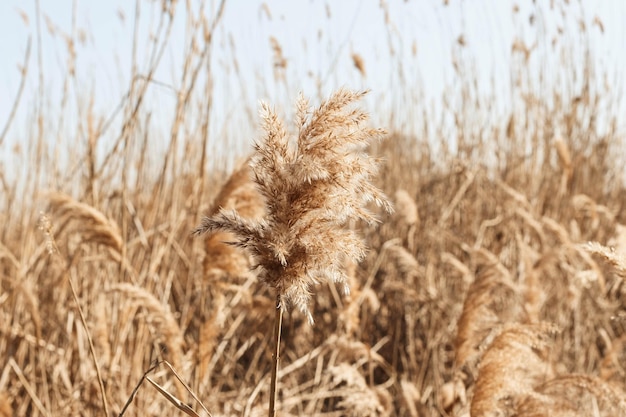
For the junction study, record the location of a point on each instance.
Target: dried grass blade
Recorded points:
(177, 403)
(28, 387)
(134, 393)
(195, 397)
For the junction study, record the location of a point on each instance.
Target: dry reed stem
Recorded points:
(5, 253)
(465, 272)
(92, 349)
(26, 289)
(411, 397)
(185, 408)
(18, 96)
(32, 392)
(173, 400)
(349, 317)
(134, 392)
(447, 211)
(209, 333)
(278, 325)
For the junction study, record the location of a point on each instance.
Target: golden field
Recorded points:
(494, 288)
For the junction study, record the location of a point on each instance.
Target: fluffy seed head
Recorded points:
(313, 184)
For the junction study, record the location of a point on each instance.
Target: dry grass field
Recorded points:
(495, 286)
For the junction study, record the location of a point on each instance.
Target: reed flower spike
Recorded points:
(313, 185)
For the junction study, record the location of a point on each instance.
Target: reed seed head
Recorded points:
(312, 184)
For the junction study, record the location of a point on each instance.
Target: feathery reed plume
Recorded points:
(492, 300)
(312, 185)
(510, 368)
(311, 191)
(83, 219)
(575, 395)
(357, 398)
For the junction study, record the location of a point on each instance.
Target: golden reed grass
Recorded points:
(502, 196)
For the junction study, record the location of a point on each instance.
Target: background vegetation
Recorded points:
(481, 294)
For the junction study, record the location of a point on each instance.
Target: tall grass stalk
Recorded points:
(278, 325)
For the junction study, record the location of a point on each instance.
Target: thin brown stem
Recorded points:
(18, 97)
(92, 350)
(278, 323)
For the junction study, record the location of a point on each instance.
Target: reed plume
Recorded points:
(313, 184)
(492, 301)
(311, 190)
(74, 217)
(513, 364)
(575, 395)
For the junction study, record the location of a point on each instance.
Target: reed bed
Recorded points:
(495, 288)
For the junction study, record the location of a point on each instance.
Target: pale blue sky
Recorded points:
(316, 47)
